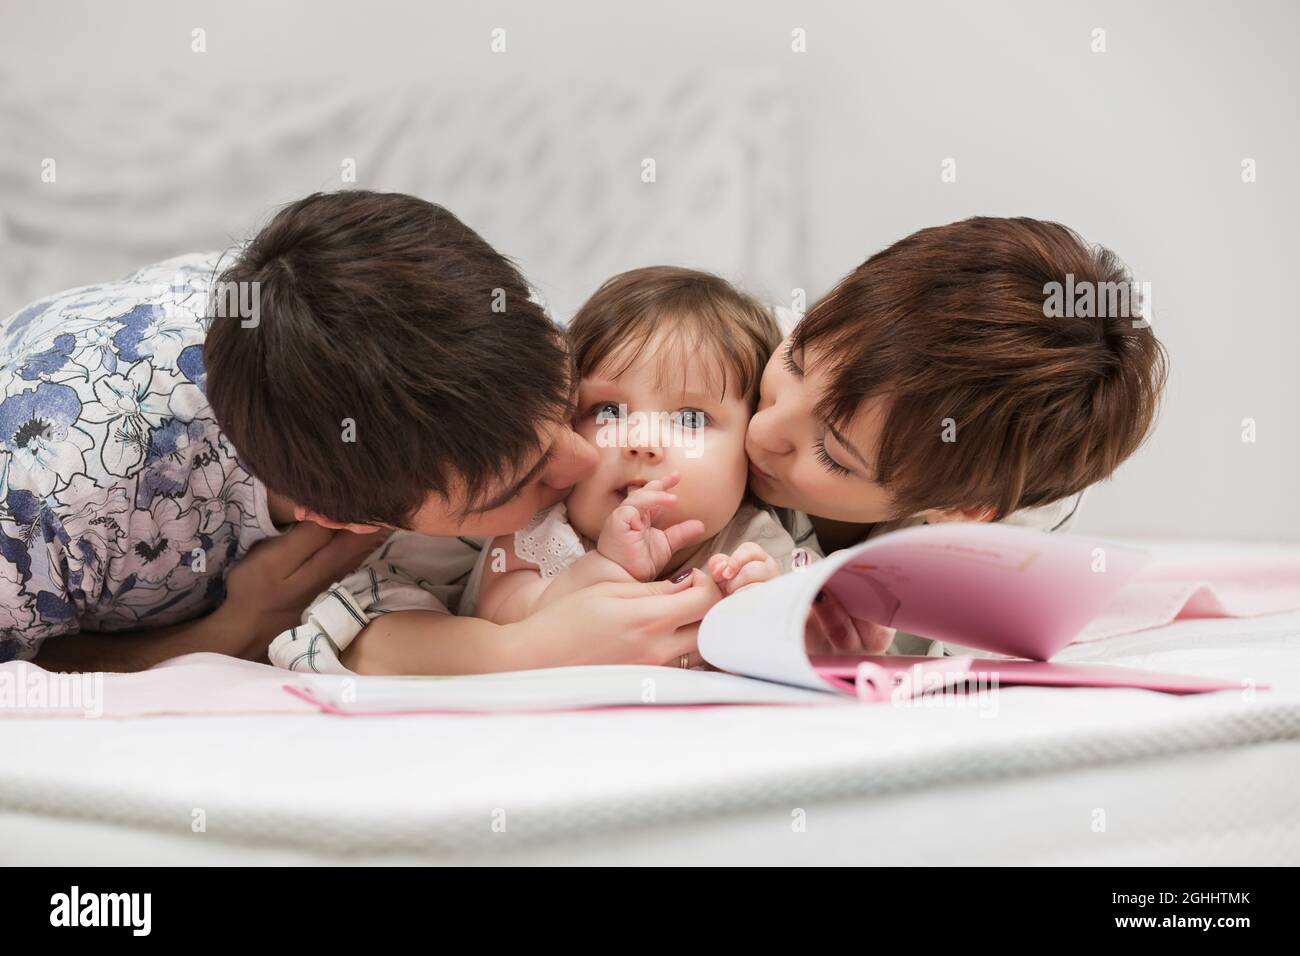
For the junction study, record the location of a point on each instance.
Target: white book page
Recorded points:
(759, 630)
(997, 588)
(553, 688)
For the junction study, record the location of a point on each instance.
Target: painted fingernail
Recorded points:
(682, 576)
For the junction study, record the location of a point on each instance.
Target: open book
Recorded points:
(1016, 593)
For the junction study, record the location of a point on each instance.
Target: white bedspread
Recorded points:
(1049, 776)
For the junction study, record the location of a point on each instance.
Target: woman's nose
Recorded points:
(766, 432)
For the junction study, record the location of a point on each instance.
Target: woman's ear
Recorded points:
(301, 513)
(937, 516)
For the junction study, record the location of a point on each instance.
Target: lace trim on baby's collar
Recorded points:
(549, 541)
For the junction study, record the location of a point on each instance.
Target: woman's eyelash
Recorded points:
(790, 365)
(833, 466)
(819, 446)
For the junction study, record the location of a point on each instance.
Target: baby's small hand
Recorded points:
(630, 538)
(748, 564)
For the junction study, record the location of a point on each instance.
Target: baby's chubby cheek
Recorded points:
(711, 488)
(588, 505)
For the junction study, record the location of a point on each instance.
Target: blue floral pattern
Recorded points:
(121, 503)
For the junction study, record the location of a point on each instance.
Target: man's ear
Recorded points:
(301, 513)
(937, 516)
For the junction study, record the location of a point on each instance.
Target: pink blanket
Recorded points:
(1172, 589)
(210, 684)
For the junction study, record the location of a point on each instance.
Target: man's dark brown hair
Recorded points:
(379, 308)
(953, 323)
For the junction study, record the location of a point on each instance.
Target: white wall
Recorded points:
(1138, 148)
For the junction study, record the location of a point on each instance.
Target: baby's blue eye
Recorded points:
(607, 411)
(691, 418)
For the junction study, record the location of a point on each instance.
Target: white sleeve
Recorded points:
(1059, 516)
(410, 572)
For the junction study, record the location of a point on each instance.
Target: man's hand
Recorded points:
(269, 589)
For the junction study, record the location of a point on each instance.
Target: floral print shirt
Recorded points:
(121, 503)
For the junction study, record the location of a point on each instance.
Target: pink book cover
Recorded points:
(1013, 592)
(886, 678)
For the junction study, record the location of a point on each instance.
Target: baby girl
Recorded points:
(669, 361)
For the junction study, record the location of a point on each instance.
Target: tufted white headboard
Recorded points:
(551, 174)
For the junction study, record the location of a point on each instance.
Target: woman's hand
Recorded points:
(748, 564)
(831, 630)
(630, 538)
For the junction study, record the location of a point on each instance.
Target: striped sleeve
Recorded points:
(411, 572)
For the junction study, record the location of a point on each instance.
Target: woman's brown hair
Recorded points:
(994, 398)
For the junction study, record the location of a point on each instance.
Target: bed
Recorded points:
(1048, 777)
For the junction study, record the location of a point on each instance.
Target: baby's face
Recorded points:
(644, 428)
